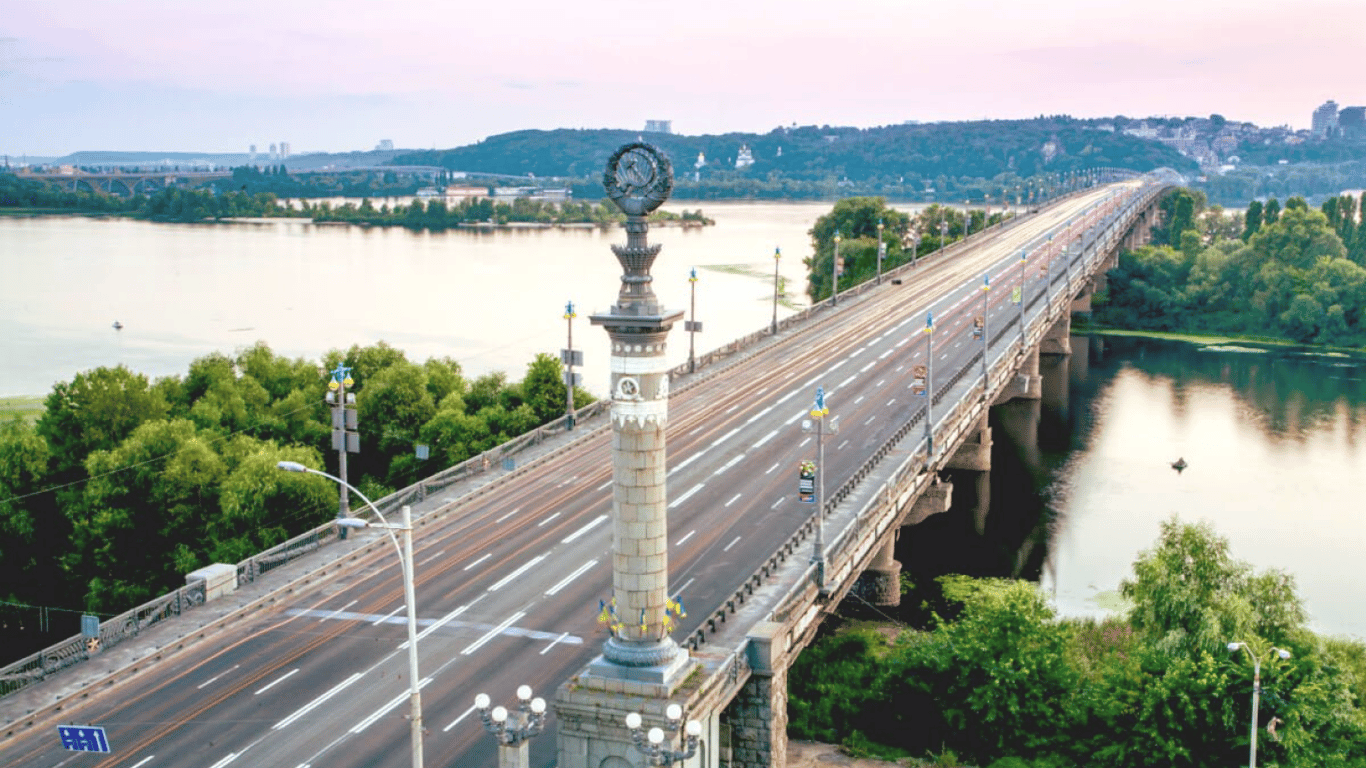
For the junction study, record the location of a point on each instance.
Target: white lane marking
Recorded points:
(733, 542)
(477, 562)
(338, 612)
(565, 582)
(314, 704)
(510, 514)
(457, 720)
(492, 633)
(761, 390)
(760, 414)
(679, 543)
(604, 486)
(231, 756)
(143, 761)
(859, 400)
(723, 438)
(803, 443)
(884, 354)
(899, 368)
(734, 499)
(211, 680)
(276, 681)
(548, 519)
(684, 587)
(858, 351)
(776, 503)
(891, 402)
(798, 415)
(865, 368)
(443, 621)
(844, 383)
(880, 382)
(526, 567)
(870, 420)
(687, 461)
(730, 464)
(687, 495)
(571, 538)
(553, 643)
(434, 556)
(841, 445)
(766, 438)
(732, 408)
(775, 466)
(384, 710)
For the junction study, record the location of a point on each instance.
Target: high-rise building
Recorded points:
(659, 126)
(1325, 119)
(385, 145)
(251, 153)
(274, 153)
(1352, 121)
(284, 150)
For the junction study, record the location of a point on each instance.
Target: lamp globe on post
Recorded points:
(1256, 693)
(513, 731)
(657, 744)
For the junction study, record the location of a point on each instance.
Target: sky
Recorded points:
(340, 75)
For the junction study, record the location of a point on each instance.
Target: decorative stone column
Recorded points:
(639, 179)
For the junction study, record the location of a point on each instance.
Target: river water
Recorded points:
(1274, 442)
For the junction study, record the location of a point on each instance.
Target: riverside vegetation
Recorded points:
(996, 678)
(194, 205)
(122, 486)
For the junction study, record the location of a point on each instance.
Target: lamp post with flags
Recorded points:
(881, 251)
(345, 438)
(570, 357)
(929, 382)
(819, 410)
(1019, 297)
(982, 329)
(692, 326)
(777, 254)
(836, 266)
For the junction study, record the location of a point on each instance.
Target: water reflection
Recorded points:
(1082, 479)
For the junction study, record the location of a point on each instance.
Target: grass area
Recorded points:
(27, 408)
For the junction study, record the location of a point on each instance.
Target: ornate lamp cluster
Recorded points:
(510, 729)
(659, 748)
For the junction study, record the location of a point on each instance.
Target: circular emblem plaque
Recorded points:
(639, 178)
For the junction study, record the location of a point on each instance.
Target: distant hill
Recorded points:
(897, 154)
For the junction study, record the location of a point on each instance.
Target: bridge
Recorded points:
(123, 183)
(303, 663)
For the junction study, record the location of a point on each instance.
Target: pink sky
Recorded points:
(171, 75)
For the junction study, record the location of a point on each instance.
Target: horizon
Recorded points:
(335, 77)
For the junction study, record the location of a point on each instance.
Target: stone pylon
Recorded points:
(638, 179)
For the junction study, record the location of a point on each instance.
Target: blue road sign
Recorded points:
(83, 738)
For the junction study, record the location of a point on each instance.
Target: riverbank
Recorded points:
(26, 408)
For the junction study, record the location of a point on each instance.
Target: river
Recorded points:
(1274, 441)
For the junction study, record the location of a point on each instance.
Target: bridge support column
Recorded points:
(974, 455)
(937, 498)
(880, 582)
(1057, 340)
(757, 717)
(1026, 383)
(1082, 301)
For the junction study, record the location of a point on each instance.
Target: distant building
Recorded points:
(744, 158)
(1325, 120)
(659, 126)
(251, 154)
(1352, 121)
(274, 152)
(284, 150)
(385, 145)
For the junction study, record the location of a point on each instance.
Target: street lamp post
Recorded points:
(513, 730)
(344, 435)
(653, 744)
(777, 254)
(943, 230)
(1020, 299)
(986, 335)
(405, 554)
(818, 413)
(881, 251)
(835, 272)
(570, 360)
(692, 326)
(1256, 693)
(929, 382)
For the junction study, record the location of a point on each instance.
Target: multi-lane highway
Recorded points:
(508, 584)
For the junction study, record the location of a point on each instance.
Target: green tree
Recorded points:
(95, 411)
(26, 535)
(1252, 219)
(543, 388)
(262, 506)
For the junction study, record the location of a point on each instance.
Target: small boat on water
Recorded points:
(118, 326)
(1179, 464)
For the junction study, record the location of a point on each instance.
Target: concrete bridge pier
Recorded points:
(1057, 340)
(880, 582)
(1053, 420)
(974, 456)
(1025, 384)
(753, 728)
